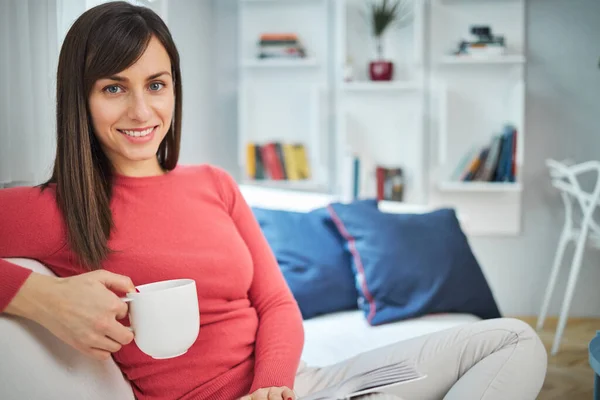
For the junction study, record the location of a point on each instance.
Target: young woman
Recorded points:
(118, 209)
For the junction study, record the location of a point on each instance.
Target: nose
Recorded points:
(139, 109)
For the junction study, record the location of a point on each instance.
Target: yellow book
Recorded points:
(291, 165)
(302, 161)
(251, 160)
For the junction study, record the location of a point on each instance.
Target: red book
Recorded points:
(271, 161)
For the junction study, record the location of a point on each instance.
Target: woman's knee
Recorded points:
(526, 336)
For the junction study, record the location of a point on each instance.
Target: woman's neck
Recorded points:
(140, 169)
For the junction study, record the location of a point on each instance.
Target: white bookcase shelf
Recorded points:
(371, 86)
(380, 122)
(307, 185)
(504, 59)
(480, 187)
(280, 63)
(472, 99)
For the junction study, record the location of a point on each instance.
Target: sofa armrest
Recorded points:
(35, 363)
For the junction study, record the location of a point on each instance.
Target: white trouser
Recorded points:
(498, 359)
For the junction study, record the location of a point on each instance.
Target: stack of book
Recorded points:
(494, 162)
(277, 161)
(280, 45)
(485, 44)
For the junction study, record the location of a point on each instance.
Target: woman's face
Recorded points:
(132, 111)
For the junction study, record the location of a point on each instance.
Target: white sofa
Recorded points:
(36, 365)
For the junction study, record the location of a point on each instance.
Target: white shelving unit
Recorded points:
(471, 98)
(286, 100)
(437, 107)
(380, 122)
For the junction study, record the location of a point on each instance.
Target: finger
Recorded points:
(121, 309)
(98, 354)
(106, 344)
(119, 333)
(275, 393)
(120, 283)
(248, 397)
(261, 394)
(288, 394)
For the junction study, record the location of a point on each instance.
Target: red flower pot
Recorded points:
(381, 70)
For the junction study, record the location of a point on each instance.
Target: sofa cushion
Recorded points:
(37, 365)
(332, 338)
(312, 258)
(408, 265)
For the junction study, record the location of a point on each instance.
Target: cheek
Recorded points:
(104, 115)
(165, 108)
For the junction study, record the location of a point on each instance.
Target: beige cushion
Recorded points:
(36, 365)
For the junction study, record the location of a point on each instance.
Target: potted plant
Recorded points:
(383, 15)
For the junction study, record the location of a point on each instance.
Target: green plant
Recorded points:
(386, 13)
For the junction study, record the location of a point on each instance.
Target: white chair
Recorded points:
(566, 178)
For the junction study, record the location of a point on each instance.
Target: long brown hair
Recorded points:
(102, 42)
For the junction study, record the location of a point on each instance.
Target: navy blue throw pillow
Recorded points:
(408, 265)
(312, 258)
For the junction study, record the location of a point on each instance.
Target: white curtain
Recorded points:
(28, 58)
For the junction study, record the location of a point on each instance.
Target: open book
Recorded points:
(372, 381)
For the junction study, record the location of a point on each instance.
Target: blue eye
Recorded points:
(112, 89)
(156, 86)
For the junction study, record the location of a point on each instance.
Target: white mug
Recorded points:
(164, 317)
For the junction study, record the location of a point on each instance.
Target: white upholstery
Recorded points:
(335, 337)
(34, 364)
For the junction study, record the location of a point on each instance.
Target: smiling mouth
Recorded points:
(137, 132)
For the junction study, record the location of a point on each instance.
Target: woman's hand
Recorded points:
(272, 393)
(80, 310)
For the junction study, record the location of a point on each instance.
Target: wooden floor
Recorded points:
(569, 374)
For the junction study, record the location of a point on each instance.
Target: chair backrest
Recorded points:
(566, 178)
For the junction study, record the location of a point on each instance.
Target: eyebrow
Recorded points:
(119, 78)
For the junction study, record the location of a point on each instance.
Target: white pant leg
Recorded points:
(495, 359)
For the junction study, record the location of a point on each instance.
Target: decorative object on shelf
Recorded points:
(280, 45)
(383, 15)
(495, 162)
(349, 70)
(484, 44)
(277, 161)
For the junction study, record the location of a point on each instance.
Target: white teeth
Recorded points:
(137, 133)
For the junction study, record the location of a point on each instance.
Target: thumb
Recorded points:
(116, 282)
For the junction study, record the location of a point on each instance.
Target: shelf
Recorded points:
(286, 184)
(379, 86)
(399, 207)
(280, 1)
(480, 187)
(280, 63)
(478, 1)
(506, 59)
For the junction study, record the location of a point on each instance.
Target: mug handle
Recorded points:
(127, 300)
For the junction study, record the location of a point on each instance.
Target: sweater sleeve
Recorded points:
(280, 335)
(30, 227)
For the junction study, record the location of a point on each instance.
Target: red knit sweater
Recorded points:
(190, 223)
